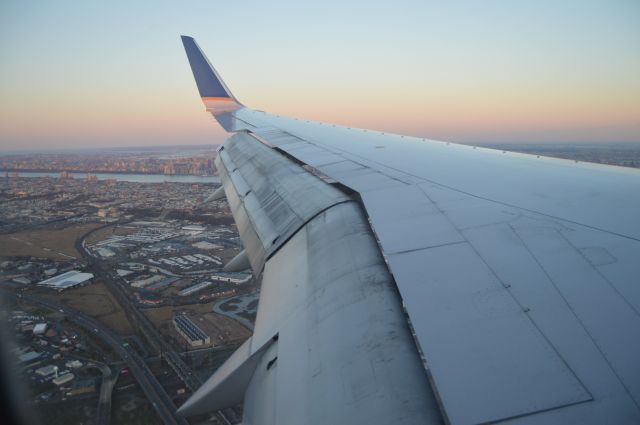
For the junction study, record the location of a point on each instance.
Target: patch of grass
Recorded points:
(42, 311)
(44, 243)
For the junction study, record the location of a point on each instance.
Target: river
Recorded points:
(136, 178)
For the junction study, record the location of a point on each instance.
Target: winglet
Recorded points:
(214, 93)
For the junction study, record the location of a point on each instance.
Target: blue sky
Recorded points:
(82, 73)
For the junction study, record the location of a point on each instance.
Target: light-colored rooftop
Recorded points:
(194, 288)
(67, 280)
(46, 370)
(29, 356)
(63, 379)
(40, 328)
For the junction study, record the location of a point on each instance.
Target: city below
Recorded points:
(113, 284)
(172, 160)
(114, 288)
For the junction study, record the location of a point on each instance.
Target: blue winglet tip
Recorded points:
(207, 79)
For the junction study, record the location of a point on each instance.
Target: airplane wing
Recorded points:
(410, 281)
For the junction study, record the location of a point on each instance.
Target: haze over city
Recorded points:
(99, 74)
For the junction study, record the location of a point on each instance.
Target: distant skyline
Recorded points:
(81, 74)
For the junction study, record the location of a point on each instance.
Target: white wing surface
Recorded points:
(407, 280)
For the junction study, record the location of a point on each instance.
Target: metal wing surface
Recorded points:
(407, 280)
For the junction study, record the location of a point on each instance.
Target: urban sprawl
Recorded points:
(116, 295)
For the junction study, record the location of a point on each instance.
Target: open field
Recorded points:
(94, 300)
(221, 329)
(104, 233)
(44, 243)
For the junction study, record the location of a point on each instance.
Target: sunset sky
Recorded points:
(85, 74)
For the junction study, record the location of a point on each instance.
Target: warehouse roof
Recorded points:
(67, 280)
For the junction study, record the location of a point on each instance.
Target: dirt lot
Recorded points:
(44, 243)
(221, 329)
(95, 301)
(104, 233)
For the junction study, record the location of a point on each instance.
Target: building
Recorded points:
(105, 252)
(47, 370)
(67, 280)
(51, 271)
(190, 331)
(162, 283)
(146, 281)
(194, 288)
(193, 229)
(63, 379)
(231, 279)
(22, 280)
(40, 329)
(206, 245)
(123, 272)
(26, 327)
(73, 364)
(28, 357)
(84, 386)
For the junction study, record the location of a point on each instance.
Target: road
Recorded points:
(242, 305)
(157, 342)
(109, 379)
(148, 330)
(160, 400)
(138, 318)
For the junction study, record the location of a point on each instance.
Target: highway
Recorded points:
(160, 400)
(141, 321)
(138, 318)
(109, 379)
(152, 336)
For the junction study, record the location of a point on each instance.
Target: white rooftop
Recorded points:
(40, 328)
(46, 370)
(27, 357)
(67, 280)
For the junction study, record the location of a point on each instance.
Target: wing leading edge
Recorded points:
(521, 295)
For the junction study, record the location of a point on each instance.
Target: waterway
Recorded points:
(136, 178)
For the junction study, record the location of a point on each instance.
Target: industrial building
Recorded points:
(231, 279)
(28, 357)
(67, 280)
(159, 285)
(63, 379)
(105, 252)
(40, 329)
(194, 288)
(193, 229)
(84, 386)
(190, 331)
(206, 245)
(73, 364)
(46, 370)
(147, 280)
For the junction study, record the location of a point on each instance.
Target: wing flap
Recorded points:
(227, 386)
(270, 196)
(345, 353)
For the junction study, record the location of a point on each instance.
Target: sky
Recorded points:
(98, 74)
